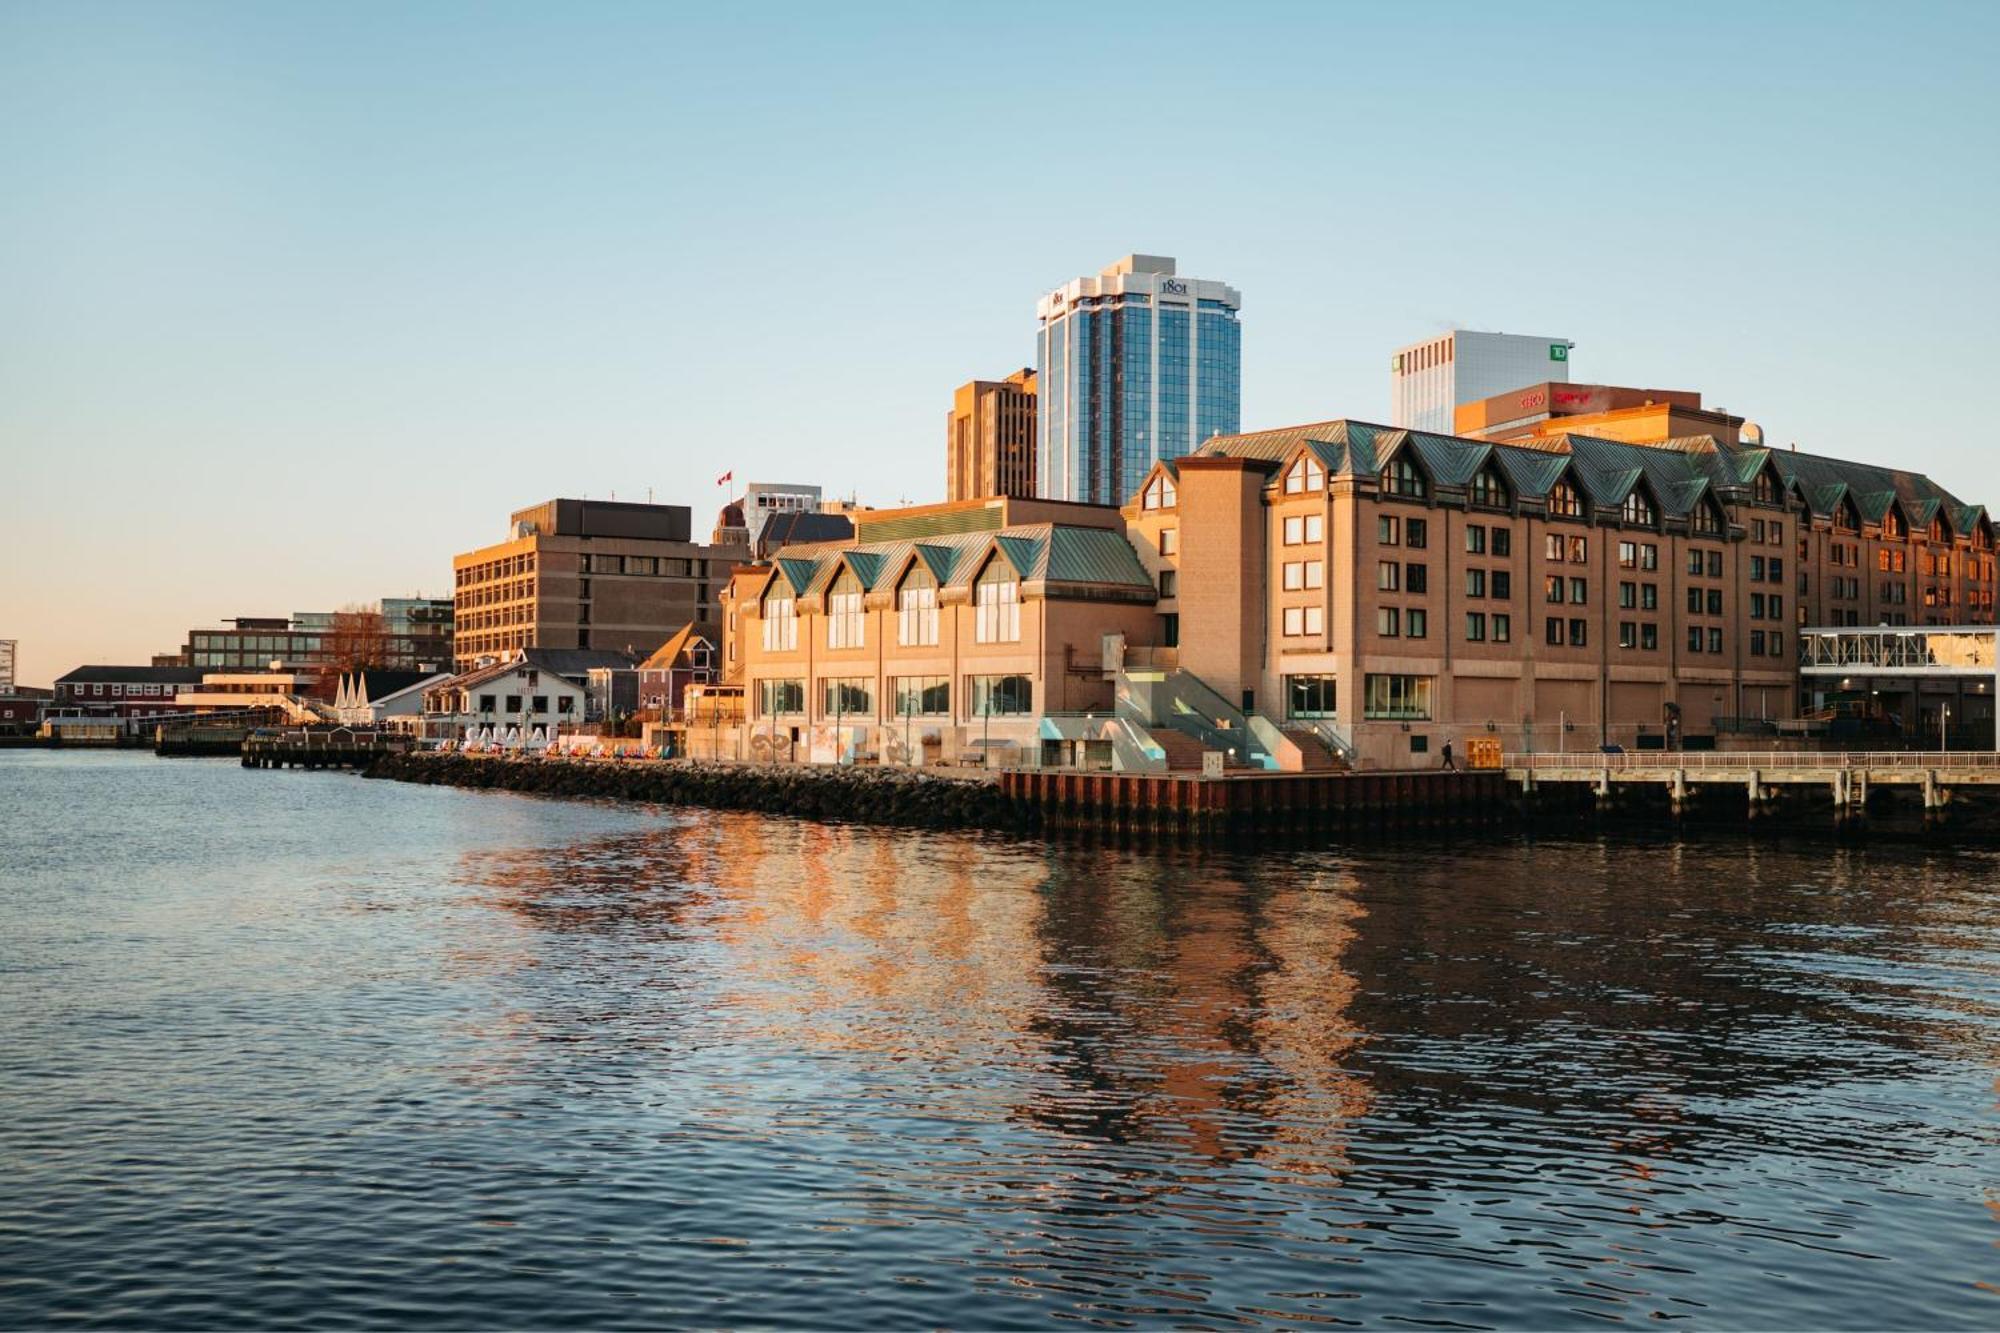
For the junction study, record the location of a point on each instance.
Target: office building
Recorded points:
(586, 574)
(990, 438)
(7, 651)
(1134, 365)
(1603, 411)
(1428, 380)
(402, 633)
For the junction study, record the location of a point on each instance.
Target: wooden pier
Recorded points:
(321, 747)
(1251, 805)
(1851, 781)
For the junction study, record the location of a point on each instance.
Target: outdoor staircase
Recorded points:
(1315, 754)
(1184, 752)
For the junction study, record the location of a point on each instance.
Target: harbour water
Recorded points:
(298, 1050)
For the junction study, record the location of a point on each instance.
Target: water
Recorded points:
(282, 1050)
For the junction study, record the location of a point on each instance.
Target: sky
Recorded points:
(297, 300)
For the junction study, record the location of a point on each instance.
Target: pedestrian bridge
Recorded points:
(1933, 651)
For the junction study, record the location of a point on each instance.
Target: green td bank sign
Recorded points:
(1558, 351)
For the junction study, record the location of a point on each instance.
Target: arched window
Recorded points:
(1304, 475)
(1565, 501)
(781, 621)
(1401, 477)
(997, 602)
(916, 609)
(1638, 510)
(844, 623)
(1160, 493)
(1707, 519)
(1488, 490)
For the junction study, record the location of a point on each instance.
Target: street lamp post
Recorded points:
(1944, 726)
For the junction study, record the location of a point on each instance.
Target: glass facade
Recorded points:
(1127, 378)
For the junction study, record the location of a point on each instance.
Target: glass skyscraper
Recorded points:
(1134, 365)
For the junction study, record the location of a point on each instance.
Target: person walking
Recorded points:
(1448, 765)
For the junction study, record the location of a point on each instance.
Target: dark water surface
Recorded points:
(286, 1049)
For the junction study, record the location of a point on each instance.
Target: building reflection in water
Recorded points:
(1095, 996)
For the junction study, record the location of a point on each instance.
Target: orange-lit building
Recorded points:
(990, 438)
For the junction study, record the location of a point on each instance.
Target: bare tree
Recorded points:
(357, 638)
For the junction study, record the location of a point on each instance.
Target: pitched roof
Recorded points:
(380, 684)
(150, 675)
(670, 653)
(795, 527)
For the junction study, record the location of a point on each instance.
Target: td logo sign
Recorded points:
(1558, 351)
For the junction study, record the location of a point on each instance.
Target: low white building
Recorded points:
(518, 703)
(369, 697)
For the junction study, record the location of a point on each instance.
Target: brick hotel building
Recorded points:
(1386, 589)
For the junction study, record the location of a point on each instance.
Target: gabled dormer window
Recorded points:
(1160, 493)
(781, 621)
(1893, 525)
(845, 623)
(1764, 489)
(1846, 518)
(1489, 491)
(1305, 474)
(1707, 519)
(1565, 501)
(1638, 511)
(1937, 530)
(996, 600)
(1402, 477)
(916, 608)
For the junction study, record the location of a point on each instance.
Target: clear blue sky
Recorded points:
(297, 300)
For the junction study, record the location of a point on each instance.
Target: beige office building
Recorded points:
(990, 438)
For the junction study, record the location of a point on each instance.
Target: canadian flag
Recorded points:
(726, 478)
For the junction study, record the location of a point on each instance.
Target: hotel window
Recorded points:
(1565, 501)
(1315, 527)
(1552, 589)
(1756, 643)
(1489, 490)
(1628, 596)
(1170, 541)
(1295, 529)
(1649, 596)
(1315, 573)
(781, 623)
(1715, 564)
(1397, 698)
(1503, 628)
(1389, 530)
(1416, 623)
(1628, 555)
(845, 626)
(1503, 541)
(1001, 696)
(1161, 494)
(1315, 620)
(1628, 634)
(1579, 550)
(1295, 621)
(1757, 532)
(1638, 511)
(1579, 633)
(1475, 583)
(916, 608)
(1475, 540)
(1304, 475)
(1388, 622)
(1416, 578)
(1756, 606)
(1715, 640)
(1695, 562)
(1764, 489)
(847, 696)
(1776, 569)
(1475, 626)
(1776, 606)
(1502, 584)
(1310, 696)
(1694, 638)
(1579, 592)
(1714, 601)
(1294, 575)
(1554, 547)
(1649, 555)
(1756, 569)
(997, 599)
(1169, 583)
(1416, 534)
(1401, 477)
(1388, 576)
(922, 696)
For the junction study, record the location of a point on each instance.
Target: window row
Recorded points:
(1010, 695)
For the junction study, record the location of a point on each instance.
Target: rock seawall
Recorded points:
(863, 795)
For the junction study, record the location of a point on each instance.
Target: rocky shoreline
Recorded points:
(861, 795)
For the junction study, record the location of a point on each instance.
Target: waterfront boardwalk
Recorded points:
(1850, 780)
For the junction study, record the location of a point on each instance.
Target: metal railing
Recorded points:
(1939, 650)
(1745, 760)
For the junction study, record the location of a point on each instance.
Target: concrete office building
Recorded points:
(586, 574)
(1428, 380)
(1134, 365)
(990, 438)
